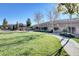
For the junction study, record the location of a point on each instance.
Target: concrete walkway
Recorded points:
(72, 47)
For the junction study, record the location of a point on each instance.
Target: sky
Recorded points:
(20, 12)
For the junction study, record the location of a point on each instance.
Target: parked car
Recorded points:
(69, 35)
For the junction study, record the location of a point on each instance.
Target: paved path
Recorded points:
(72, 47)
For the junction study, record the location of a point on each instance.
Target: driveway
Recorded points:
(72, 47)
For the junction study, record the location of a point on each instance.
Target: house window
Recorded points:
(72, 29)
(56, 28)
(45, 28)
(37, 27)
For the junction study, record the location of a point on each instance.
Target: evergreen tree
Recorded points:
(28, 22)
(5, 24)
(17, 25)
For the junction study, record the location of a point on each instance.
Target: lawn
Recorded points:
(76, 39)
(28, 44)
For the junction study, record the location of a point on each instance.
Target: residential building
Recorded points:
(60, 25)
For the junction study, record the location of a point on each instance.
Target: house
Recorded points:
(60, 25)
(22, 27)
(47, 26)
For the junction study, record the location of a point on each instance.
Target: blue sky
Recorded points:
(21, 11)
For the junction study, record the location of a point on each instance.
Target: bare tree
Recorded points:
(52, 15)
(50, 18)
(38, 17)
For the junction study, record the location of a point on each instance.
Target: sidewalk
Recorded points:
(72, 47)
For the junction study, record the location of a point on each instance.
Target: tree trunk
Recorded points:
(70, 23)
(38, 26)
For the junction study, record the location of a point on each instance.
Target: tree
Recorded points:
(68, 8)
(77, 10)
(17, 25)
(52, 15)
(14, 27)
(5, 24)
(38, 17)
(50, 18)
(28, 22)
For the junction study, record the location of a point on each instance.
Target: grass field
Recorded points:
(28, 44)
(76, 39)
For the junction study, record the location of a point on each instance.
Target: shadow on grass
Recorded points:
(6, 33)
(19, 40)
(26, 53)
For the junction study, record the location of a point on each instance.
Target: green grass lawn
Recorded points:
(76, 39)
(28, 43)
